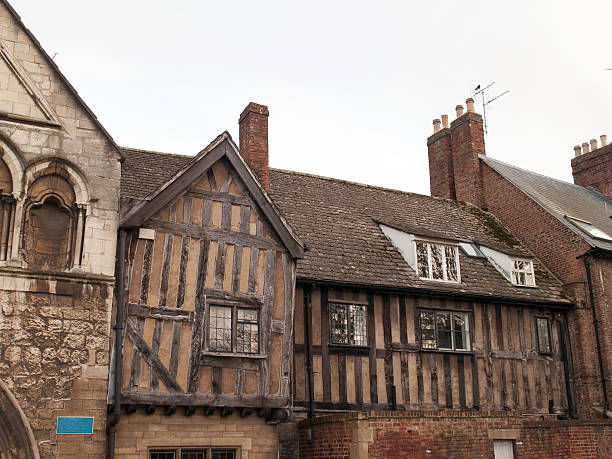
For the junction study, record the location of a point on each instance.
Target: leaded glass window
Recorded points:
(233, 329)
(348, 324)
(220, 328)
(522, 273)
(445, 330)
(200, 453)
(437, 261)
(543, 332)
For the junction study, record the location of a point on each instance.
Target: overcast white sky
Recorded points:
(352, 86)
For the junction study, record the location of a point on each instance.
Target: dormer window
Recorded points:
(437, 261)
(522, 273)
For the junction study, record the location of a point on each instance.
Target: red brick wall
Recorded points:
(253, 127)
(451, 434)
(594, 169)
(467, 142)
(441, 178)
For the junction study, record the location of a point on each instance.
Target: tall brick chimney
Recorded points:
(454, 167)
(253, 133)
(593, 166)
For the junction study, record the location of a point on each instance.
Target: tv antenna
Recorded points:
(482, 92)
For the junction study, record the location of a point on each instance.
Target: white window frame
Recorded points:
(443, 245)
(528, 272)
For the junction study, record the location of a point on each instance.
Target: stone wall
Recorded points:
(139, 432)
(449, 434)
(54, 354)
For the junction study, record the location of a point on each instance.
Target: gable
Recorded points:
(20, 99)
(220, 168)
(39, 94)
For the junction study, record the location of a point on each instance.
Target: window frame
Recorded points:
(469, 330)
(347, 305)
(233, 352)
(531, 272)
(443, 245)
(548, 331)
(178, 450)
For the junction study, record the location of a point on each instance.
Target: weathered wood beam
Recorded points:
(219, 196)
(213, 234)
(163, 313)
(211, 400)
(147, 354)
(214, 296)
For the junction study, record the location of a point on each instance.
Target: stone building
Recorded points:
(160, 306)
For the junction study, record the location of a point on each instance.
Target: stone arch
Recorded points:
(15, 164)
(16, 437)
(53, 214)
(65, 169)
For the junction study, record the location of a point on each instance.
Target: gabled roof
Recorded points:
(339, 224)
(61, 76)
(222, 147)
(564, 201)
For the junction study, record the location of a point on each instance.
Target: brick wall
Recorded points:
(594, 169)
(559, 249)
(253, 132)
(449, 434)
(139, 432)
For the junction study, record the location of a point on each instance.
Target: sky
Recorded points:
(352, 86)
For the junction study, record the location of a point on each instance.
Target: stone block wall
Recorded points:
(420, 435)
(54, 354)
(139, 432)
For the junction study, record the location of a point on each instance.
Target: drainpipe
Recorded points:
(597, 339)
(118, 327)
(308, 345)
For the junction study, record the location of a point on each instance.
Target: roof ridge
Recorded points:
(365, 185)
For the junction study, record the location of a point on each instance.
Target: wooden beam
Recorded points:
(147, 354)
(404, 367)
(193, 378)
(371, 325)
(388, 359)
(325, 365)
(213, 295)
(213, 234)
(154, 312)
(207, 400)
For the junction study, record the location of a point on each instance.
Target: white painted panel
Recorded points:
(503, 449)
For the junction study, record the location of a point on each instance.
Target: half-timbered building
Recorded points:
(160, 306)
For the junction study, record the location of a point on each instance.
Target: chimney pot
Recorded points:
(444, 121)
(585, 147)
(459, 110)
(593, 144)
(604, 140)
(469, 103)
(577, 150)
(436, 125)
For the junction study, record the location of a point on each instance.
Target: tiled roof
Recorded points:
(338, 221)
(562, 199)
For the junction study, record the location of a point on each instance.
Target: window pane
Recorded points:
(428, 332)
(193, 454)
(220, 328)
(451, 264)
(159, 454)
(357, 328)
(248, 315)
(437, 270)
(422, 259)
(543, 334)
(223, 454)
(339, 323)
(443, 323)
(462, 341)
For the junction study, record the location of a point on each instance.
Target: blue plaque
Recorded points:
(75, 425)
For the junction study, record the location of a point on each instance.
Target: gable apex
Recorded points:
(73, 92)
(221, 147)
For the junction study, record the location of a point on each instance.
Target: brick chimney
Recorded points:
(253, 123)
(593, 166)
(454, 167)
